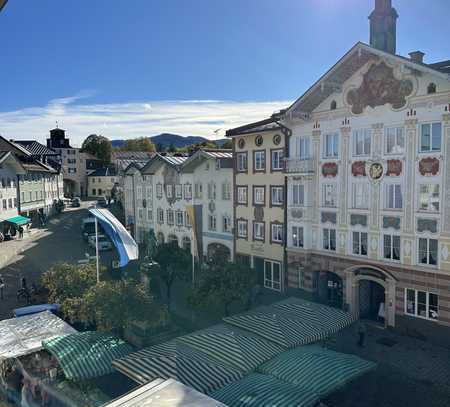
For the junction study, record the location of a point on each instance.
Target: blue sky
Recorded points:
(139, 67)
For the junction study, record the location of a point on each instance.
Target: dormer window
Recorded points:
(431, 88)
(333, 105)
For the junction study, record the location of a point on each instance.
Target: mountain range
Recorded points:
(166, 139)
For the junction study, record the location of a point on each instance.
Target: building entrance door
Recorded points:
(372, 301)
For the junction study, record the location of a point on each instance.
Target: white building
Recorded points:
(101, 182)
(10, 168)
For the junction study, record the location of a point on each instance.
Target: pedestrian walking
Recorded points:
(20, 232)
(2, 287)
(361, 333)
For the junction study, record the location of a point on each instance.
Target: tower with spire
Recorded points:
(383, 26)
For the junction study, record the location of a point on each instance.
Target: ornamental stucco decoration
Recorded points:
(375, 170)
(359, 169)
(297, 213)
(394, 168)
(379, 87)
(391, 222)
(358, 220)
(427, 225)
(329, 217)
(429, 166)
(212, 206)
(329, 170)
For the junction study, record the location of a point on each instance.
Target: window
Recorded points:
(331, 145)
(94, 191)
(187, 191)
(259, 195)
(178, 191)
(198, 191)
(99, 191)
(277, 160)
(361, 142)
(430, 137)
(329, 195)
(187, 220)
(431, 88)
(259, 161)
(421, 304)
(360, 243)
(226, 224)
(428, 251)
(391, 247)
(5, 204)
(333, 105)
(297, 195)
(170, 217)
(217, 164)
(169, 191)
(429, 197)
(150, 215)
(159, 190)
(160, 215)
(272, 275)
(10, 203)
(23, 196)
(277, 196)
(394, 198)
(258, 231)
(212, 222)
(297, 236)
(329, 239)
(179, 218)
(242, 228)
(242, 195)
(277, 233)
(241, 159)
(360, 195)
(226, 191)
(394, 140)
(140, 213)
(302, 148)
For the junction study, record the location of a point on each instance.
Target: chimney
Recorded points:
(383, 26)
(417, 56)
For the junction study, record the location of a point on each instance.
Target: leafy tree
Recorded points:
(174, 264)
(138, 144)
(98, 146)
(221, 284)
(172, 148)
(227, 144)
(111, 305)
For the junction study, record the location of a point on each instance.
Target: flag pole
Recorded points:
(96, 249)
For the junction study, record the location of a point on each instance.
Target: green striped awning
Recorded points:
(18, 220)
(258, 390)
(86, 355)
(292, 322)
(316, 369)
(175, 360)
(229, 348)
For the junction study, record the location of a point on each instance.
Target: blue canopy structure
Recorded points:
(122, 240)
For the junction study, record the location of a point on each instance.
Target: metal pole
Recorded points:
(192, 226)
(96, 250)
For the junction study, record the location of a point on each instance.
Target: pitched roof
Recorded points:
(34, 147)
(103, 172)
(132, 155)
(256, 127)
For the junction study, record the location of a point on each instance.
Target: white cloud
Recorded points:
(129, 120)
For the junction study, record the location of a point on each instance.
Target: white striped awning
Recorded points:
(316, 369)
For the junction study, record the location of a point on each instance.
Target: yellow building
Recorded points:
(259, 198)
(101, 182)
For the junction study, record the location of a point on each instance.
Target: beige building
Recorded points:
(101, 182)
(259, 199)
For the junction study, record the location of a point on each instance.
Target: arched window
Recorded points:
(431, 88)
(333, 105)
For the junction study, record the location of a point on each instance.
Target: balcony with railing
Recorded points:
(297, 165)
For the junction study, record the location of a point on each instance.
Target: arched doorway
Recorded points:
(218, 251)
(372, 300)
(330, 288)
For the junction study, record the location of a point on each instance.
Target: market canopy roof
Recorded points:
(18, 220)
(316, 369)
(24, 335)
(258, 390)
(86, 355)
(175, 360)
(230, 348)
(293, 322)
(122, 240)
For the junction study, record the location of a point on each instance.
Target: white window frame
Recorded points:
(297, 236)
(363, 134)
(242, 228)
(276, 230)
(415, 313)
(394, 189)
(159, 192)
(226, 191)
(429, 194)
(359, 241)
(259, 231)
(432, 148)
(242, 162)
(427, 263)
(260, 160)
(160, 215)
(179, 218)
(170, 217)
(391, 247)
(277, 157)
(360, 195)
(241, 192)
(302, 148)
(212, 222)
(277, 195)
(398, 135)
(169, 191)
(188, 191)
(178, 191)
(226, 224)
(297, 194)
(331, 145)
(328, 234)
(198, 190)
(259, 197)
(269, 274)
(329, 190)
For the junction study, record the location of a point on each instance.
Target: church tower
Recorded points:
(383, 26)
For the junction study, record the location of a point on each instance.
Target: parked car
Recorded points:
(88, 228)
(102, 202)
(103, 242)
(76, 202)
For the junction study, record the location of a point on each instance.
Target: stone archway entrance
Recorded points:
(370, 293)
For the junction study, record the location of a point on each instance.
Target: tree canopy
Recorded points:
(98, 146)
(138, 144)
(221, 284)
